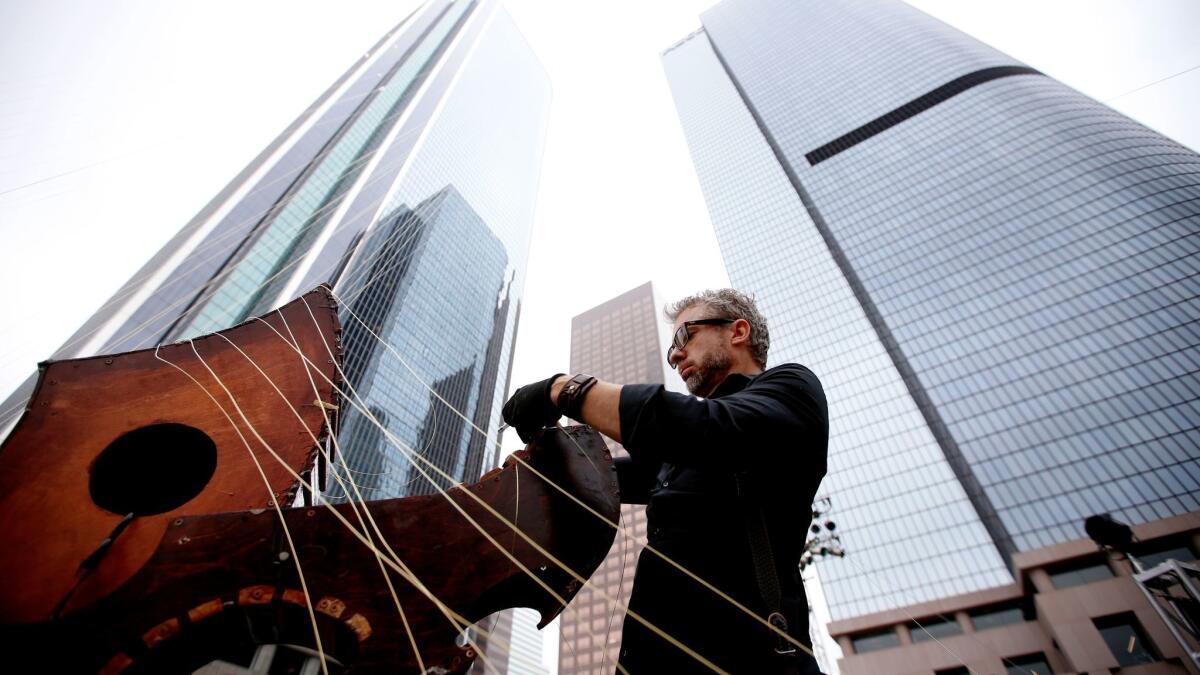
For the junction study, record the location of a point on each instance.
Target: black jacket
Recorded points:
(684, 453)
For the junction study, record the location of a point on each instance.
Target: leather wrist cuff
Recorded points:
(570, 399)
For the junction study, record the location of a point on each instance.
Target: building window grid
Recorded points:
(775, 321)
(1126, 640)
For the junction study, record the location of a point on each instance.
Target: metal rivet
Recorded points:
(284, 555)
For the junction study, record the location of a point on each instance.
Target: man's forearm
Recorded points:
(601, 406)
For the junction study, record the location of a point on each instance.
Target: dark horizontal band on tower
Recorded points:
(924, 102)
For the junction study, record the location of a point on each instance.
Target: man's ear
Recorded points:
(741, 332)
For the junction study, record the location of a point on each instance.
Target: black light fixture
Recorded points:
(822, 542)
(1107, 532)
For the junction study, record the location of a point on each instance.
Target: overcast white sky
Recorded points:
(119, 119)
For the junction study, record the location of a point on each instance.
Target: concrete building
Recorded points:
(994, 276)
(1072, 609)
(617, 341)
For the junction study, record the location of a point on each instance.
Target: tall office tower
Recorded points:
(617, 341)
(409, 185)
(994, 276)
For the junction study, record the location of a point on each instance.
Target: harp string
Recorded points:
(310, 367)
(267, 483)
(361, 406)
(416, 461)
(459, 622)
(329, 426)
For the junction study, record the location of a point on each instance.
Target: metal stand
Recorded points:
(1171, 588)
(265, 657)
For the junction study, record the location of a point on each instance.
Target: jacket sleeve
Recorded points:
(635, 478)
(782, 407)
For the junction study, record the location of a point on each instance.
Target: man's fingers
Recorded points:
(530, 408)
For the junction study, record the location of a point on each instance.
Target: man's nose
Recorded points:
(677, 355)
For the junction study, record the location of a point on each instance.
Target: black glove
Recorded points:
(530, 408)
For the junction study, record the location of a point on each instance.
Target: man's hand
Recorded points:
(531, 408)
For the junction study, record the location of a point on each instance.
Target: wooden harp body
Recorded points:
(138, 502)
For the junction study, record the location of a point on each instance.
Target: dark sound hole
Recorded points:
(153, 469)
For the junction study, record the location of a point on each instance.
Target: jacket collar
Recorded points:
(732, 384)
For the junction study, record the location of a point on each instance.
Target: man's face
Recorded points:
(706, 358)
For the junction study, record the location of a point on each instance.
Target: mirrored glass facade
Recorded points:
(994, 276)
(409, 187)
(471, 189)
(292, 223)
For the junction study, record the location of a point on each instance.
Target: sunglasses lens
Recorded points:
(677, 342)
(681, 337)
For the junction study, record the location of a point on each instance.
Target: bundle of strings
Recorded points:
(219, 247)
(368, 532)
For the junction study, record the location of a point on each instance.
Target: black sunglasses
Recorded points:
(682, 335)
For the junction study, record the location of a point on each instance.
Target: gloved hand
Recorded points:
(530, 408)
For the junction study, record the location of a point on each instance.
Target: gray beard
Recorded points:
(704, 376)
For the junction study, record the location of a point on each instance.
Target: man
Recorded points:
(729, 479)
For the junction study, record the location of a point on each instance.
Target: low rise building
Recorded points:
(1073, 609)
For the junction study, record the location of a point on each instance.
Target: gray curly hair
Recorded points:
(732, 304)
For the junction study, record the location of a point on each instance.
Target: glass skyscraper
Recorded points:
(994, 276)
(409, 186)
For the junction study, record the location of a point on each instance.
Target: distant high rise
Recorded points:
(513, 644)
(617, 341)
(417, 254)
(409, 185)
(994, 276)
(525, 645)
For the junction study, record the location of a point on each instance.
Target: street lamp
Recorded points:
(825, 541)
(1170, 586)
